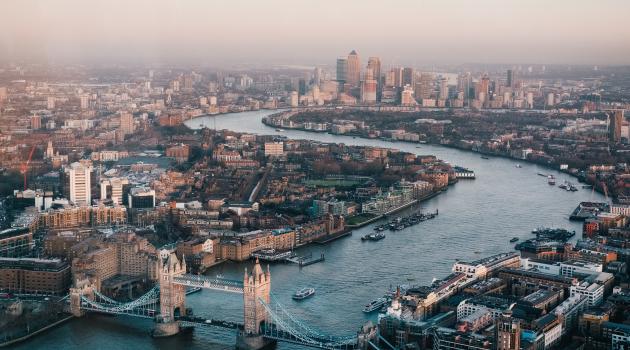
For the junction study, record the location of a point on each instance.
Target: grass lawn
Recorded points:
(358, 219)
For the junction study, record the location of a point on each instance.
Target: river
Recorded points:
(477, 218)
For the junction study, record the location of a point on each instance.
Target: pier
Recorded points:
(306, 260)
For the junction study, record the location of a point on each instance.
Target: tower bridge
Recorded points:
(265, 320)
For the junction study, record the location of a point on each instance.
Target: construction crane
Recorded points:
(24, 167)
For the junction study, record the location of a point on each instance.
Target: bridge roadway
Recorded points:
(214, 283)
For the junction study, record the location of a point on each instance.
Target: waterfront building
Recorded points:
(16, 242)
(79, 176)
(481, 268)
(34, 276)
(569, 310)
(388, 201)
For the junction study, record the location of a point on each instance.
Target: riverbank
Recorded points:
(34, 333)
(555, 167)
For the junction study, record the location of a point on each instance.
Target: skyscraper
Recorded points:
(508, 332)
(374, 63)
(80, 183)
(424, 88)
(342, 70)
(443, 89)
(407, 76)
(354, 69)
(398, 76)
(510, 78)
(368, 88)
(615, 119)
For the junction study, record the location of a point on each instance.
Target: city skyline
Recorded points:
(279, 32)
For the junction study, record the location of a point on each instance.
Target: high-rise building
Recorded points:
(551, 99)
(484, 86)
(3, 93)
(36, 122)
(508, 332)
(510, 78)
(342, 70)
(126, 123)
(424, 88)
(368, 88)
(79, 177)
(294, 99)
(443, 89)
(354, 69)
(84, 101)
(317, 76)
(406, 98)
(408, 76)
(398, 76)
(374, 63)
(50, 152)
(615, 120)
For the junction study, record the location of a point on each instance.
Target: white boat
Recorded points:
(303, 293)
(374, 305)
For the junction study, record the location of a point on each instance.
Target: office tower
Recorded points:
(342, 70)
(50, 102)
(368, 88)
(424, 88)
(398, 76)
(354, 69)
(550, 99)
(407, 76)
(510, 78)
(485, 86)
(406, 98)
(464, 83)
(114, 189)
(294, 99)
(508, 332)
(141, 197)
(302, 87)
(84, 101)
(530, 100)
(80, 185)
(317, 76)
(443, 89)
(615, 120)
(126, 123)
(36, 122)
(188, 82)
(374, 63)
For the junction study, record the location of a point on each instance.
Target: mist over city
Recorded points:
(338, 175)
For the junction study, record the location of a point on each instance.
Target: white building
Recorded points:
(593, 292)
(80, 183)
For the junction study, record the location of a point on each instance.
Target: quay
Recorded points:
(11, 342)
(333, 237)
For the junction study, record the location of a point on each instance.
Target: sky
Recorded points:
(226, 32)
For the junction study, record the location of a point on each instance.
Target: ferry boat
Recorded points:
(279, 130)
(551, 180)
(374, 305)
(514, 239)
(373, 237)
(518, 166)
(303, 293)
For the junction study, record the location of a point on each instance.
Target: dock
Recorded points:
(306, 260)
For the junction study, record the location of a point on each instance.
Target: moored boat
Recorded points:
(514, 239)
(373, 237)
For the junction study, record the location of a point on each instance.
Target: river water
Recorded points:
(477, 218)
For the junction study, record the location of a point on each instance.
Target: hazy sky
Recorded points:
(218, 32)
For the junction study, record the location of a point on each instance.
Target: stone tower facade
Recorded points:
(256, 286)
(172, 296)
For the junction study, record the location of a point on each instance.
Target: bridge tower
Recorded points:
(172, 296)
(256, 287)
(82, 288)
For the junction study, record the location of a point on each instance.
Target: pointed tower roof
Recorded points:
(257, 271)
